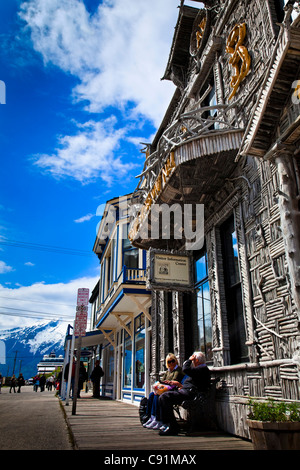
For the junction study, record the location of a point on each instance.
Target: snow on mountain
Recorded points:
(53, 333)
(25, 347)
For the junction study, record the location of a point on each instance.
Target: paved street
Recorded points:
(32, 421)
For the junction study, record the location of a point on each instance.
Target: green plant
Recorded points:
(273, 411)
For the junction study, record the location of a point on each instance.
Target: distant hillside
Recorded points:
(26, 346)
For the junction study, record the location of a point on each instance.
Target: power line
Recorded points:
(38, 317)
(31, 311)
(47, 248)
(37, 301)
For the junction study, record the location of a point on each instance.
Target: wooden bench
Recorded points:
(199, 412)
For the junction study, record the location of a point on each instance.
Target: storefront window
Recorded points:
(127, 361)
(139, 339)
(203, 306)
(110, 365)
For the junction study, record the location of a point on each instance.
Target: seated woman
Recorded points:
(172, 376)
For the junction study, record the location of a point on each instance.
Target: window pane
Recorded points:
(230, 249)
(131, 259)
(204, 320)
(201, 268)
(139, 377)
(233, 293)
(125, 240)
(128, 362)
(110, 372)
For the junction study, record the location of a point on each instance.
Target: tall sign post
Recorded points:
(79, 330)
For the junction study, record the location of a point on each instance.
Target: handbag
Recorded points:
(161, 387)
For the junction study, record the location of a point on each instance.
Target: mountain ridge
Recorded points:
(22, 348)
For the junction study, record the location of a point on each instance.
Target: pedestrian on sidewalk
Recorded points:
(42, 382)
(21, 382)
(36, 383)
(82, 378)
(96, 375)
(13, 383)
(66, 376)
(1, 380)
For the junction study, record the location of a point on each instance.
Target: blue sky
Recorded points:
(83, 90)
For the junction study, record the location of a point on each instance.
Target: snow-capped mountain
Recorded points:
(25, 347)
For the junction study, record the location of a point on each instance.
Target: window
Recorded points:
(233, 293)
(130, 254)
(127, 376)
(203, 306)
(139, 340)
(110, 365)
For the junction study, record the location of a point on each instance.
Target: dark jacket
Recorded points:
(66, 373)
(21, 380)
(97, 374)
(198, 378)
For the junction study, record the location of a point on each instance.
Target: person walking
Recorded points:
(13, 383)
(36, 383)
(42, 382)
(96, 375)
(1, 380)
(21, 382)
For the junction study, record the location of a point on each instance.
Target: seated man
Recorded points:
(197, 380)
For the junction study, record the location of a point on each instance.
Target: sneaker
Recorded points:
(163, 427)
(168, 431)
(148, 422)
(152, 424)
(158, 425)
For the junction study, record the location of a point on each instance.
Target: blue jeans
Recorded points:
(153, 406)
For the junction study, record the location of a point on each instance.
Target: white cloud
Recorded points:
(89, 154)
(52, 301)
(119, 53)
(84, 218)
(29, 263)
(4, 268)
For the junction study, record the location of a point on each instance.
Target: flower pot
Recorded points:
(266, 435)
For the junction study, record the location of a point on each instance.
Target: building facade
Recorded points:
(121, 308)
(229, 142)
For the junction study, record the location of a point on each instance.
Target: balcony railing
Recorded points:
(126, 276)
(189, 126)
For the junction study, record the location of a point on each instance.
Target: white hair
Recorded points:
(200, 357)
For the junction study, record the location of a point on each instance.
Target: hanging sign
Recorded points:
(170, 271)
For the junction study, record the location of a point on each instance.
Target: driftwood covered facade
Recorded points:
(230, 141)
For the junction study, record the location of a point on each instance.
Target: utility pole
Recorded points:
(76, 385)
(14, 363)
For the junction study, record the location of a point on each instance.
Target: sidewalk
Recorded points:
(101, 424)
